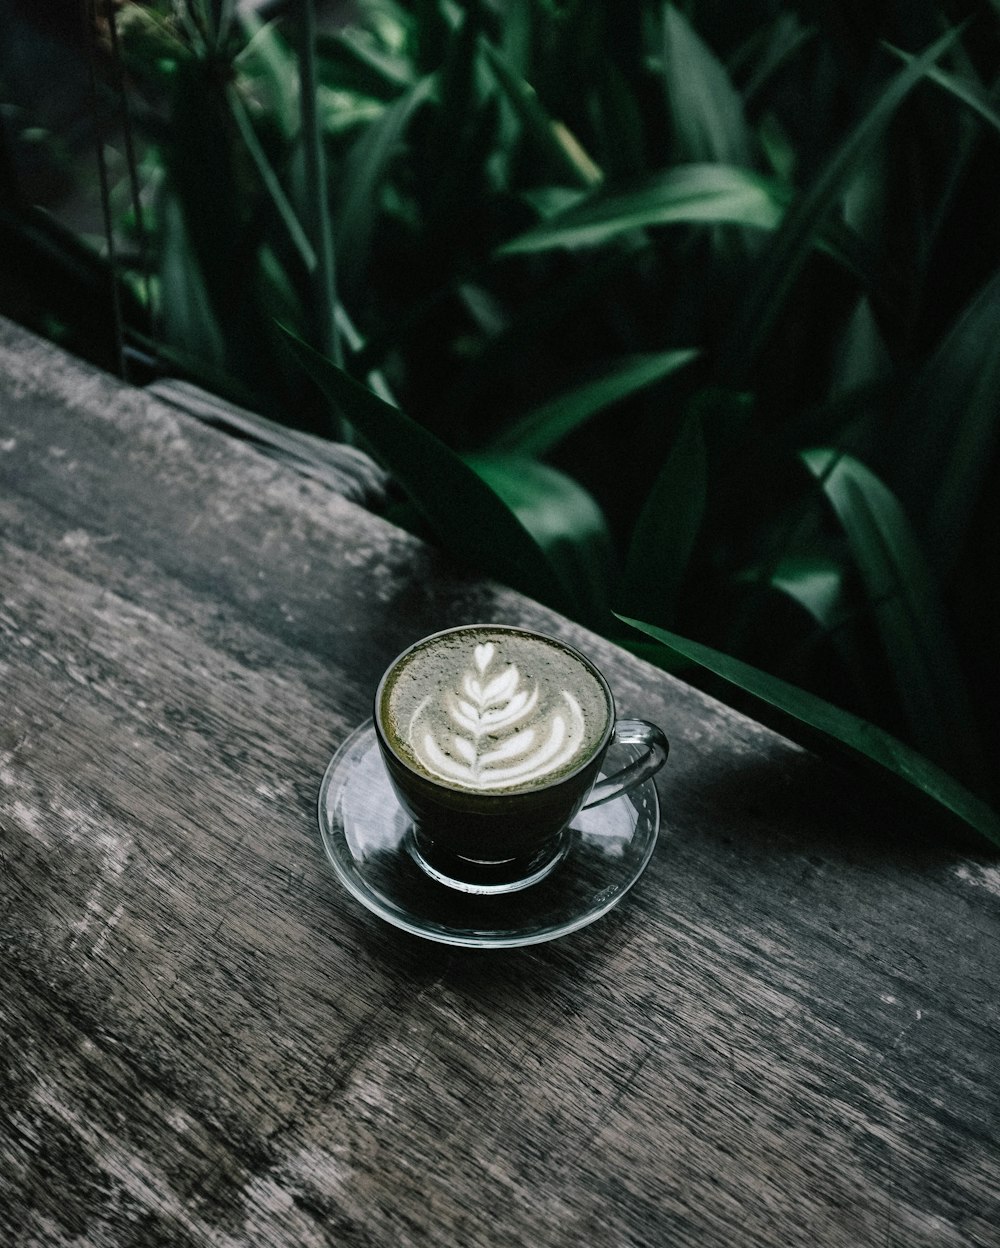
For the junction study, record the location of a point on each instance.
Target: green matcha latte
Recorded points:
(491, 710)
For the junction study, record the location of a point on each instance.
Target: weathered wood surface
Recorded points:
(345, 469)
(786, 1035)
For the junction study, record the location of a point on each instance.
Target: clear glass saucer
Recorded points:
(366, 837)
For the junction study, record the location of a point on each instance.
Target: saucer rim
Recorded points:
(464, 937)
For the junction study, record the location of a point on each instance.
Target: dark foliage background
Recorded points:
(692, 308)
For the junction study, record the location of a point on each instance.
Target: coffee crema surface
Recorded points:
(492, 710)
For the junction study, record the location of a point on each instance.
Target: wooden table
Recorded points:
(787, 1033)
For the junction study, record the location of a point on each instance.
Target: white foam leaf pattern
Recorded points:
(489, 744)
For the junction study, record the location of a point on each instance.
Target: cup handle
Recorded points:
(632, 732)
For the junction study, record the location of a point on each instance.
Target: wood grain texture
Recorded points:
(787, 1034)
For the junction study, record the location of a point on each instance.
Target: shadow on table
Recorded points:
(805, 804)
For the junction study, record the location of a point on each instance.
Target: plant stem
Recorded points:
(317, 205)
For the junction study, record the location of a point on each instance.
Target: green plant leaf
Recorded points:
(539, 431)
(803, 714)
(668, 525)
(621, 137)
(971, 94)
(149, 42)
(563, 150)
(780, 264)
(707, 111)
(816, 583)
(561, 516)
(952, 423)
(270, 181)
(861, 357)
(356, 59)
(365, 172)
(769, 49)
(316, 204)
(207, 175)
(882, 283)
(904, 601)
(268, 59)
(467, 518)
(189, 323)
(702, 194)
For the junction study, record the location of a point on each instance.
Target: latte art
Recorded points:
(494, 711)
(493, 740)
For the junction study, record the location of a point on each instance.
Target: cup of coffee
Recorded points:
(493, 738)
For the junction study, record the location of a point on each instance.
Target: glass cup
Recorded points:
(494, 842)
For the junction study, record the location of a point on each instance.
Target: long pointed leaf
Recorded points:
(366, 168)
(802, 713)
(707, 111)
(466, 517)
(780, 265)
(980, 101)
(189, 321)
(357, 60)
(269, 178)
(562, 517)
(317, 203)
(542, 429)
(772, 47)
(816, 583)
(900, 588)
(668, 526)
(952, 418)
(274, 64)
(703, 194)
(563, 149)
